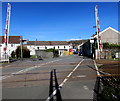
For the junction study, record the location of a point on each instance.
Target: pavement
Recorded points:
(30, 79)
(111, 67)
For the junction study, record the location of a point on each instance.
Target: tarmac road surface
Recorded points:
(31, 79)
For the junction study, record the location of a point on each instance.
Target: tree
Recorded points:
(106, 45)
(25, 52)
(13, 54)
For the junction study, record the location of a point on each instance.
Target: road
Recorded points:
(30, 79)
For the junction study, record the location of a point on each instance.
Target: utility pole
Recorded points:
(21, 47)
(6, 33)
(22, 42)
(97, 29)
(35, 48)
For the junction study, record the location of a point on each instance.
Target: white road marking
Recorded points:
(4, 77)
(98, 72)
(7, 65)
(85, 87)
(70, 73)
(81, 76)
(96, 68)
(64, 81)
(30, 68)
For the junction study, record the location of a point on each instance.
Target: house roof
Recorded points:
(12, 39)
(49, 43)
(94, 35)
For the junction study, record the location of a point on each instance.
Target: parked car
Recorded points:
(75, 52)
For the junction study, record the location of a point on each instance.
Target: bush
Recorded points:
(95, 45)
(25, 52)
(33, 56)
(13, 54)
(114, 46)
(56, 53)
(49, 50)
(106, 45)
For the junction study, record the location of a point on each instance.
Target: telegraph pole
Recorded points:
(21, 47)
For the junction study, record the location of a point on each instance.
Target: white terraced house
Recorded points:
(42, 45)
(13, 42)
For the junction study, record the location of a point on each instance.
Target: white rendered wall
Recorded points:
(10, 48)
(32, 48)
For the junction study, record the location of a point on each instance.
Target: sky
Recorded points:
(58, 21)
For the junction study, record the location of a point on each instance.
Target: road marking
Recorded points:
(30, 68)
(7, 65)
(81, 76)
(64, 81)
(4, 77)
(98, 72)
(4, 66)
(85, 87)
(96, 68)
(70, 73)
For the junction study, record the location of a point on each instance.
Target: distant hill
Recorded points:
(75, 43)
(78, 42)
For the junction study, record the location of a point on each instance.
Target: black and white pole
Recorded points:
(6, 33)
(97, 29)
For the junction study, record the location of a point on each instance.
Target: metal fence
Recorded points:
(110, 53)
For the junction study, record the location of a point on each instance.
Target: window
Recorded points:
(45, 47)
(11, 45)
(64, 46)
(58, 47)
